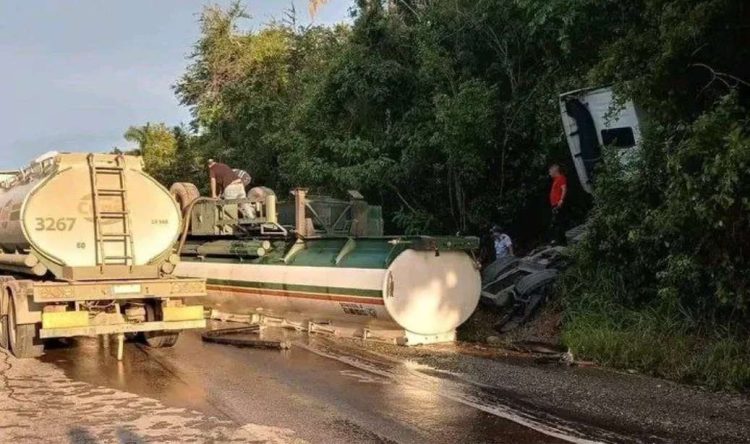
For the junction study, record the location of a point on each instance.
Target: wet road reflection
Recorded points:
(323, 400)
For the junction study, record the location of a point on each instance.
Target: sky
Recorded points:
(74, 74)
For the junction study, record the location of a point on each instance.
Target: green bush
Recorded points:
(658, 342)
(647, 346)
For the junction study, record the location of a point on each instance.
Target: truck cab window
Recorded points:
(618, 137)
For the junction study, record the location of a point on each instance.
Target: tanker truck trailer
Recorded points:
(86, 248)
(323, 265)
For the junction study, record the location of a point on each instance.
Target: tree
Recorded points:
(158, 146)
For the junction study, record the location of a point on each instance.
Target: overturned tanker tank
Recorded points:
(322, 264)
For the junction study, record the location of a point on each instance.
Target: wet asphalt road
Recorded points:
(323, 400)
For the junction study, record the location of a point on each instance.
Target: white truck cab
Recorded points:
(594, 120)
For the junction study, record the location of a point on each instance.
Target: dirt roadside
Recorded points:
(633, 407)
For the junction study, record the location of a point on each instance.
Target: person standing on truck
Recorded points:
(246, 178)
(557, 194)
(227, 184)
(502, 242)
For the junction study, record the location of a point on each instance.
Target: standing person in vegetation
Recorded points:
(225, 182)
(503, 243)
(557, 194)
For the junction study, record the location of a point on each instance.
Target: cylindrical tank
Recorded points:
(48, 211)
(388, 283)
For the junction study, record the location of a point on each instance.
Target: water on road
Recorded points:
(321, 399)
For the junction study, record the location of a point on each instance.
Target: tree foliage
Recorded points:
(158, 146)
(448, 131)
(168, 153)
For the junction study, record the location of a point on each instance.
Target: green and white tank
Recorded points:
(424, 286)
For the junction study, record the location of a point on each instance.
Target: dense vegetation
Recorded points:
(446, 113)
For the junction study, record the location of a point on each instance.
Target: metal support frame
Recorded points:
(392, 336)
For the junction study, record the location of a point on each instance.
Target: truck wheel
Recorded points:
(4, 304)
(184, 193)
(23, 338)
(495, 269)
(4, 332)
(534, 282)
(159, 338)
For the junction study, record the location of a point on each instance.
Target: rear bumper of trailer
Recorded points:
(61, 291)
(67, 323)
(54, 331)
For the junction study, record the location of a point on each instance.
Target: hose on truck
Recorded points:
(186, 220)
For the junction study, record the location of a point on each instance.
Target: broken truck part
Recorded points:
(323, 265)
(86, 246)
(238, 337)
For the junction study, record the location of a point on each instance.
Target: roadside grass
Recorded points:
(657, 342)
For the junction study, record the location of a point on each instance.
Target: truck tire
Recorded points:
(184, 193)
(159, 338)
(495, 269)
(4, 332)
(535, 281)
(23, 339)
(4, 307)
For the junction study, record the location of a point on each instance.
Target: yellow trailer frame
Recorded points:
(59, 307)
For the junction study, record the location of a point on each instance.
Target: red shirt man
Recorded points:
(557, 194)
(559, 187)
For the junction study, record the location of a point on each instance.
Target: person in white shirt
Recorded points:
(503, 243)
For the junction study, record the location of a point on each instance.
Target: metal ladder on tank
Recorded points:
(122, 215)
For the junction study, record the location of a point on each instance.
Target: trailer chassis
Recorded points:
(33, 310)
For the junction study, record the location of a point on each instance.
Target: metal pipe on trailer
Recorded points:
(23, 264)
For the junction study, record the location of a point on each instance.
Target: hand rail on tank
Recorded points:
(129, 241)
(340, 218)
(33, 170)
(281, 230)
